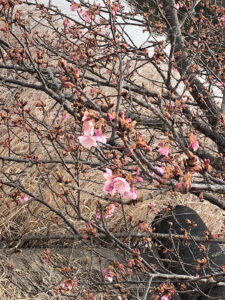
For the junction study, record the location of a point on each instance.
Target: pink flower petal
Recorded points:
(164, 150)
(64, 115)
(109, 188)
(121, 185)
(23, 198)
(88, 128)
(222, 18)
(74, 6)
(108, 174)
(99, 137)
(85, 15)
(218, 83)
(111, 116)
(67, 23)
(195, 43)
(115, 8)
(179, 186)
(107, 275)
(87, 141)
(194, 145)
(110, 210)
(166, 297)
(139, 179)
(86, 116)
(160, 169)
(132, 194)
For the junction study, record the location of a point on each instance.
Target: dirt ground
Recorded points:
(31, 274)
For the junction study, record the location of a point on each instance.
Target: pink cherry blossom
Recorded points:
(64, 115)
(218, 83)
(109, 188)
(99, 137)
(158, 178)
(178, 5)
(194, 145)
(161, 170)
(87, 141)
(132, 194)
(195, 43)
(86, 116)
(23, 198)
(107, 275)
(109, 185)
(187, 181)
(164, 150)
(118, 185)
(139, 179)
(222, 18)
(165, 297)
(67, 22)
(149, 148)
(68, 284)
(74, 6)
(191, 30)
(121, 185)
(85, 15)
(98, 214)
(88, 128)
(110, 210)
(108, 174)
(115, 8)
(179, 185)
(111, 116)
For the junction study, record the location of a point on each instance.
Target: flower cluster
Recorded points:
(91, 135)
(118, 185)
(85, 14)
(115, 8)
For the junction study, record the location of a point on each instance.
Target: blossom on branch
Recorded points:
(109, 212)
(85, 15)
(165, 297)
(163, 149)
(88, 139)
(115, 8)
(121, 186)
(99, 137)
(108, 275)
(23, 198)
(118, 185)
(194, 144)
(88, 128)
(74, 6)
(132, 194)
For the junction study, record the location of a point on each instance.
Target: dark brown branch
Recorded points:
(198, 91)
(119, 235)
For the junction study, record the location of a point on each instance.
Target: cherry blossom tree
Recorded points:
(95, 126)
